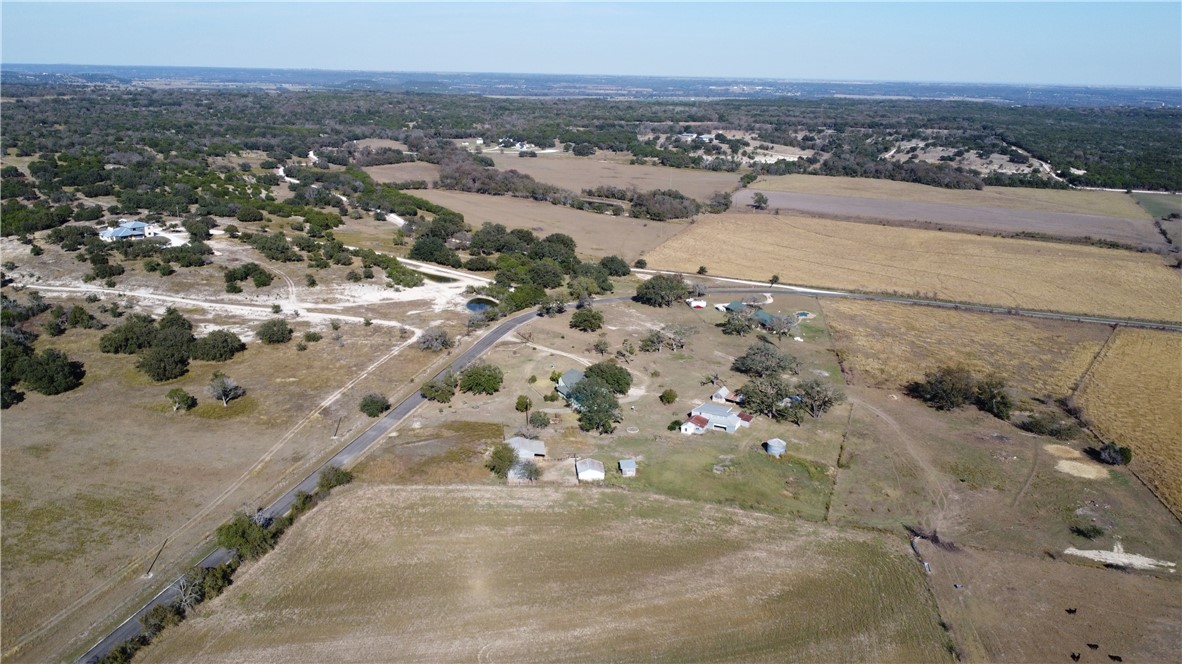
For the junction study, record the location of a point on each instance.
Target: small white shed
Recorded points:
(589, 470)
(775, 447)
(628, 467)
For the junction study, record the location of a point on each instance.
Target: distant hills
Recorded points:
(605, 87)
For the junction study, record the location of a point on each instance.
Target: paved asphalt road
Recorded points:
(131, 627)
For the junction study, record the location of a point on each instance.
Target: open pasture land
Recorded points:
(884, 344)
(1160, 205)
(413, 170)
(1013, 608)
(1134, 396)
(551, 574)
(94, 481)
(1101, 203)
(950, 266)
(983, 483)
(943, 216)
(596, 234)
(607, 169)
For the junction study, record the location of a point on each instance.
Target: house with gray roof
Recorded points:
(567, 382)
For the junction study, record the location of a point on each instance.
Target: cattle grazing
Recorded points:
(1071, 611)
(1116, 658)
(1094, 646)
(1075, 657)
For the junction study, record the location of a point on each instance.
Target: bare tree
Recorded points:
(224, 388)
(435, 339)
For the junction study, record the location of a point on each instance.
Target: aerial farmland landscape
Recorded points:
(371, 351)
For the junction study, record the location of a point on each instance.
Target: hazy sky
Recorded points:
(1084, 43)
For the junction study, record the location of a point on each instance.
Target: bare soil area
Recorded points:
(414, 170)
(596, 234)
(545, 574)
(1007, 221)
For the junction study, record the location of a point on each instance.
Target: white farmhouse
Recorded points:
(712, 416)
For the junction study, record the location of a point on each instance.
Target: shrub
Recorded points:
(440, 389)
(1088, 531)
(945, 388)
(668, 396)
(217, 346)
(1044, 424)
(246, 536)
(674, 425)
(274, 331)
(181, 400)
(435, 339)
(332, 477)
(162, 363)
(539, 419)
(374, 404)
(312, 337)
(501, 460)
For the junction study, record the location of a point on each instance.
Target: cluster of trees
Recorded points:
(478, 378)
(769, 394)
(950, 387)
(165, 347)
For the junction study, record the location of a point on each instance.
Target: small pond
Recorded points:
(478, 304)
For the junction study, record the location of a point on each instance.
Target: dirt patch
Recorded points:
(1132, 232)
(1080, 469)
(1062, 451)
(413, 170)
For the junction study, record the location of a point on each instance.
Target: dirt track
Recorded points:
(1134, 232)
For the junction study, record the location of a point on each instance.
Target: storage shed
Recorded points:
(589, 470)
(628, 467)
(775, 447)
(527, 448)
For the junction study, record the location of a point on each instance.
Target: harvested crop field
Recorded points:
(1007, 221)
(1013, 608)
(1134, 396)
(595, 234)
(887, 345)
(533, 574)
(950, 266)
(607, 169)
(1103, 203)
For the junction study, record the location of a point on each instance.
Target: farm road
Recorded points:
(1135, 232)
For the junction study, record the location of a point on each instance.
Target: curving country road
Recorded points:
(131, 627)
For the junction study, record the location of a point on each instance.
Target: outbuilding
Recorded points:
(775, 447)
(589, 470)
(628, 467)
(527, 448)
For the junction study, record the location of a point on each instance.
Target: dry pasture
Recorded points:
(596, 234)
(951, 266)
(888, 345)
(1103, 203)
(612, 169)
(96, 479)
(1013, 608)
(553, 574)
(413, 170)
(1134, 396)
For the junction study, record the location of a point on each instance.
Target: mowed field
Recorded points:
(889, 345)
(554, 574)
(949, 266)
(596, 234)
(1102, 203)
(612, 169)
(415, 170)
(1134, 396)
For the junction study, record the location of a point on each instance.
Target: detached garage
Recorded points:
(589, 470)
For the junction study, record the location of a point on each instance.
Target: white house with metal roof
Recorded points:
(718, 417)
